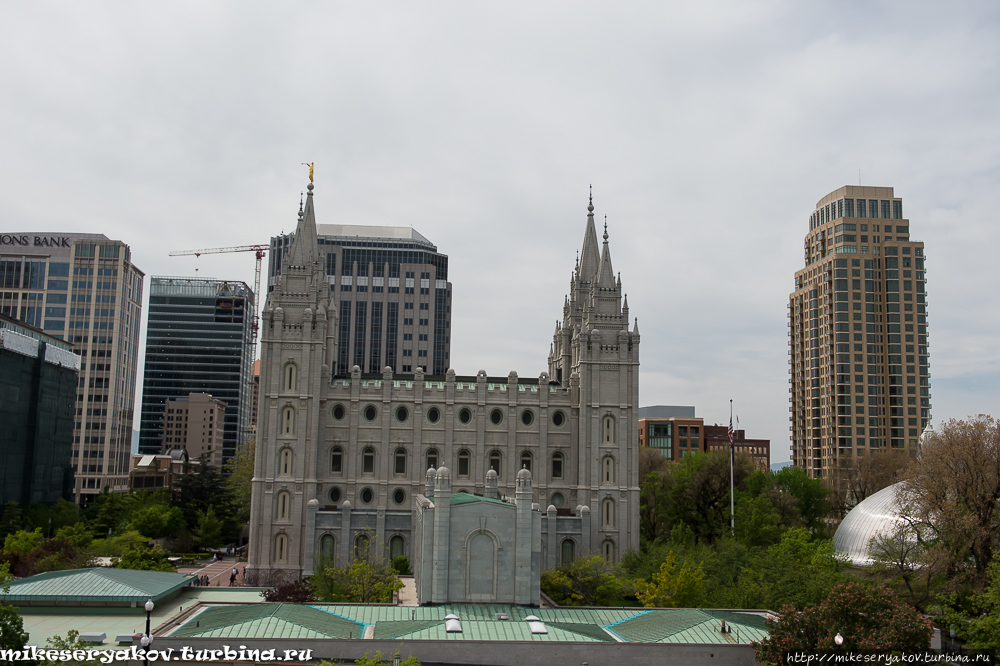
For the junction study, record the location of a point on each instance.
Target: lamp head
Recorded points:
(145, 641)
(149, 606)
(838, 639)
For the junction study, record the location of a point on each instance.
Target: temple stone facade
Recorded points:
(471, 549)
(342, 455)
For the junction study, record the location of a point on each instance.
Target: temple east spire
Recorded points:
(606, 274)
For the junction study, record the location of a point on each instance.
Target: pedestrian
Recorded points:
(232, 578)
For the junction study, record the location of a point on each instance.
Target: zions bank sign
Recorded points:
(36, 241)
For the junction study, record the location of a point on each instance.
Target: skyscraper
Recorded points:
(38, 382)
(90, 294)
(392, 292)
(197, 341)
(860, 380)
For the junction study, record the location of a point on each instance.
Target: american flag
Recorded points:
(730, 432)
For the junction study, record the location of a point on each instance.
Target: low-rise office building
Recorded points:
(196, 424)
(676, 432)
(158, 472)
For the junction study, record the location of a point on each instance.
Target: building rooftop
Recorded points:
(43, 623)
(666, 412)
(19, 327)
(358, 231)
(110, 587)
(466, 498)
(875, 515)
(479, 622)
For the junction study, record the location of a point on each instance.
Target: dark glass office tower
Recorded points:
(197, 341)
(391, 289)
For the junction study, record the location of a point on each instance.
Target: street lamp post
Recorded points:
(147, 639)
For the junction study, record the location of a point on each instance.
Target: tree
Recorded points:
(203, 488)
(855, 479)
(651, 460)
(674, 587)
(401, 565)
(868, 617)
(377, 660)
(12, 634)
(810, 496)
(78, 535)
(10, 521)
(240, 469)
(109, 512)
(22, 542)
(208, 533)
(143, 558)
(909, 559)
(71, 643)
(982, 630)
(360, 582)
(115, 546)
(296, 592)
(157, 521)
(587, 581)
(953, 488)
(372, 582)
(757, 521)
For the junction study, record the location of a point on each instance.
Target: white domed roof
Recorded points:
(876, 515)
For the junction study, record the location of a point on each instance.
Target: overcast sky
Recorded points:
(708, 129)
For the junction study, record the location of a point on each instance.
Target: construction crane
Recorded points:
(259, 250)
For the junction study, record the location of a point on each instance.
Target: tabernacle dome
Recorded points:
(878, 514)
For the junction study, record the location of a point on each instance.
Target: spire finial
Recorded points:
(605, 228)
(590, 205)
(301, 194)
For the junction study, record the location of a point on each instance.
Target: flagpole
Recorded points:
(732, 464)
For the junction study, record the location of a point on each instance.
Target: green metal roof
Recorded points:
(269, 620)
(96, 585)
(636, 625)
(466, 498)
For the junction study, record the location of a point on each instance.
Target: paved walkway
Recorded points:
(218, 572)
(408, 595)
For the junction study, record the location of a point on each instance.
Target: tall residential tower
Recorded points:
(860, 380)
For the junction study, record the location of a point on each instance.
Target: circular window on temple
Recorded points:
(557, 500)
(558, 419)
(339, 412)
(465, 415)
(527, 417)
(402, 413)
(399, 496)
(433, 414)
(370, 413)
(496, 417)
(366, 496)
(335, 495)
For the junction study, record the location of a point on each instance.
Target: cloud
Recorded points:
(709, 131)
